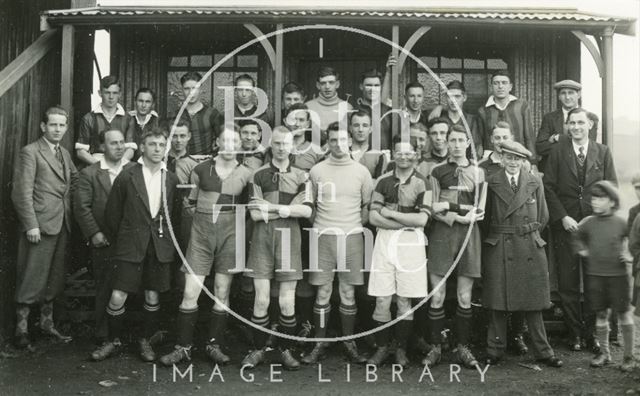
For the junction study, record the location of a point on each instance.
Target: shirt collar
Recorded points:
(105, 166)
(576, 147)
(395, 175)
(276, 169)
(163, 166)
(52, 146)
(134, 114)
(492, 102)
(516, 176)
(119, 110)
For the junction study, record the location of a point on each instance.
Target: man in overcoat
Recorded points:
(573, 167)
(514, 268)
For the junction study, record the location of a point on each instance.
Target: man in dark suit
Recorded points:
(42, 183)
(136, 220)
(90, 199)
(554, 127)
(573, 167)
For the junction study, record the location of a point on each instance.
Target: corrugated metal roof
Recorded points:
(528, 16)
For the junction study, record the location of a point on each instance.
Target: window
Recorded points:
(473, 72)
(224, 75)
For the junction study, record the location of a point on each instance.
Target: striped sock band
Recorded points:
(321, 319)
(151, 307)
(115, 311)
(348, 309)
(188, 310)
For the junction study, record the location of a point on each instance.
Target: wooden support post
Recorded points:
(21, 65)
(607, 88)
(66, 81)
(279, 72)
(395, 79)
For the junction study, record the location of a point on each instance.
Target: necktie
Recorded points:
(581, 156)
(514, 186)
(59, 156)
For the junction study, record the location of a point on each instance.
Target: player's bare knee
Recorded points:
(464, 298)
(118, 298)
(151, 297)
(261, 303)
(347, 294)
(324, 294)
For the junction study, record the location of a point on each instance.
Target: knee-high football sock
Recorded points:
(436, 324)
(463, 325)
(217, 327)
(115, 320)
(383, 336)
(403, 330)
(259, 336)
(186, 323)
(321, 315)
(287, 326)
(602, 335)
(348, 318)
(627, 338)
(151, 318)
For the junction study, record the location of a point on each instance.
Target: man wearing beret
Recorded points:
(554, 124)
(515, 273)
(573, 167)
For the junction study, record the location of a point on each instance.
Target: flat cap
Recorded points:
(567, 84)
(515, 148)
(606, 188)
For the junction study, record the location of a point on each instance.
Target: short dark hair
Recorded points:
(327, 71)
(190, 76)
(578, 110)
(244, 123)
(244, 77)
(359, 113)
(413, 84)
(155, 132)
(457, 84)
(371, 73)
(504, 73)
(103, 134)
(398, 139)
(298, 107)
(292, 87)
(419, 126)
(457, 128)
(108, 81)
(439, 120)
(145, 90)
(334, 126)
(54, 110)
(502, 124)
(183, 122)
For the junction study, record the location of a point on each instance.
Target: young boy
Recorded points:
(400, 209)
(600, 239)
(141, 120)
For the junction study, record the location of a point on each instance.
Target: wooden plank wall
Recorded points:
(536, 59)
(20, 110)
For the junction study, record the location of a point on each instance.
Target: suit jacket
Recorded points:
(42, 188)
(562, 188)
(90, 199)
(553, 123)
(128, 218)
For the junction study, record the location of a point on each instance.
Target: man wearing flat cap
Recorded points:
(554, 124)
(514, 267)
